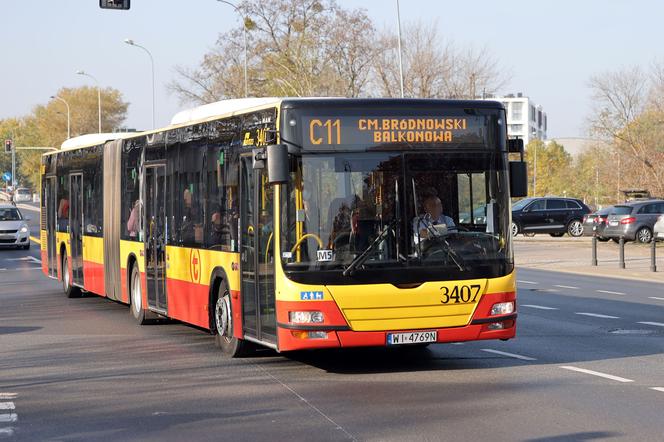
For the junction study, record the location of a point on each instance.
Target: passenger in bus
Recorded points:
(187, 235)
(133, 223)
(63, 214)
(428, 224)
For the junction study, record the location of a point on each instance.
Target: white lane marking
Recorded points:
(526, 282)
(596, 315)
(658, 389)
(658, 324)
(566, 287)
(7, 395)
(511, 355)
(540, 307)
(610, 292)
(7, 406)
(596, 373)
(456, 343)
(655, 297)
(8, 417)
(38, 261)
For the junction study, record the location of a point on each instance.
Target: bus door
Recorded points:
(76, 227)
(50, 200)
(257, 259)
(155, 236)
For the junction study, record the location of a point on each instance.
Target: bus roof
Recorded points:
(94, 139)
(219, 108)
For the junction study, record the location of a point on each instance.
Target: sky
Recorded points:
(550, 49)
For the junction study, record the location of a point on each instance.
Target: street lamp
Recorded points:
(68, 117)
(244, 27)
(98, 94)
(399, 44)
(131, 42)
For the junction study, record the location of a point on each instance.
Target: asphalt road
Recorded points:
(588, 364)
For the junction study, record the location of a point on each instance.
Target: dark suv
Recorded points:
(551, 215)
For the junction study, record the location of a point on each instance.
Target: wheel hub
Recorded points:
(222, 312)
(136, 293)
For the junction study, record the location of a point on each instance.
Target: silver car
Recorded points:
(14, 229)
(633, 221)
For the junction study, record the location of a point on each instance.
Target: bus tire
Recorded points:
(136, 296)
(70, 290)
(223, 325)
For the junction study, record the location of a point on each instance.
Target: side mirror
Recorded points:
(27, 219)
(277, 164)
(518, 178)
(515, 145)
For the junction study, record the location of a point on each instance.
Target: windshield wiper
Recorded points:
(359, 259)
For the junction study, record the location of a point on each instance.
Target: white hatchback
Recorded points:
(658, 228)
(14, 228)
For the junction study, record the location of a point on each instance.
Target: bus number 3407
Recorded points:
(460, 294)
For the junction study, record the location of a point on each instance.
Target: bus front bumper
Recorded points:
(310, 337)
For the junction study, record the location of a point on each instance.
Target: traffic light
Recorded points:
(8, 146)
(114, 4)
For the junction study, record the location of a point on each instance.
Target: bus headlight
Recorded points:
(502, 308)
(305, 317)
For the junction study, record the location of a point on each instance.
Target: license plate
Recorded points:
(412, 337)
(613, 223)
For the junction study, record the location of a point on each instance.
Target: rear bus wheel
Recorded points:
(223, 325)
(70, 290)
(136, 296)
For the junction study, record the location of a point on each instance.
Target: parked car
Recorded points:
(658, 228)
(633, 221)
(594, 223)
(22, 194)
(14, 229)
(553, 215)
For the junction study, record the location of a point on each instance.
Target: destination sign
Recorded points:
(339, 131)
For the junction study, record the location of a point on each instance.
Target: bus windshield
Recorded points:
(356, 213)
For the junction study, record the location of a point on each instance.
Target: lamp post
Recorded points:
(98, 94)
(131, 42)
(68, 115)
(399, 45)
(244, 27)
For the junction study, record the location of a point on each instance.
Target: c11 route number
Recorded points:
(460, 294)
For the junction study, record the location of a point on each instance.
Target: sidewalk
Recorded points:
(573, 255)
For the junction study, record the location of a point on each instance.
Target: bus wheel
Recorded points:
(70, 290)
(136, 296)
(223, 325)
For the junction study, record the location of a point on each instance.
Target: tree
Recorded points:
(549, 168)
(628, 113)
(47, 126)
(434, 68)
(51, 118)
(296, 48)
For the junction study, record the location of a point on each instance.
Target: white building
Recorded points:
(525, 119)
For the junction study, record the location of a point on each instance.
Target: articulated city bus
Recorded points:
(296, 223)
